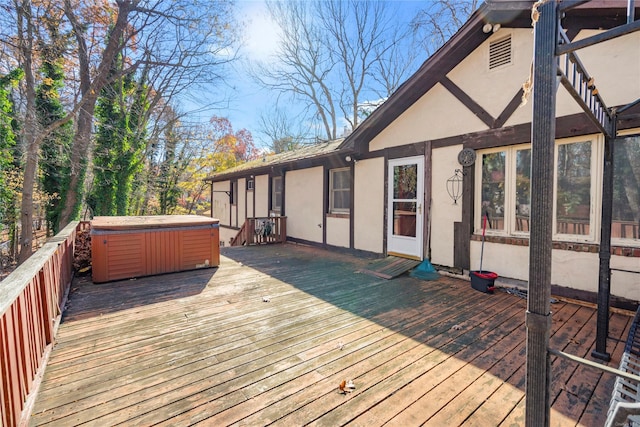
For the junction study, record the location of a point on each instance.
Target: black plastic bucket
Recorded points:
(483, 281)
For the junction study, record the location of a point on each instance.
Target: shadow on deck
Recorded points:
(203, 346)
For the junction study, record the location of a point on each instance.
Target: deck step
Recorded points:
(390, 267)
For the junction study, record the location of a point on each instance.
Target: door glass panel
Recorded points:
(404, 219)
(405, 181)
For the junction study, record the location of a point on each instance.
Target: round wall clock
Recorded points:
(467, 157)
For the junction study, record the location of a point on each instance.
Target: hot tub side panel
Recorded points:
(125, 254)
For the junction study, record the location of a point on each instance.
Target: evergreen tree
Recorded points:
(55, 161)
(7, 142)
(120, 141)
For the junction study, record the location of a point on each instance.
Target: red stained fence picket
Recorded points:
(31, 304)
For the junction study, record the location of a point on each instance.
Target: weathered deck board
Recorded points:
(203, 347)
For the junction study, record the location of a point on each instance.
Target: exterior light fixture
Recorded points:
(454, 186)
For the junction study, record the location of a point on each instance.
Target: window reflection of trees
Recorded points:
(626, 188)
(493, 188)
(523, 187)
(406, 181)
(573, 197)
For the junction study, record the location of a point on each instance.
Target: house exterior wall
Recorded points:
(576, 270)
(369, 205)
(494, 89)
(443, 211)
(304, 203)
(262, 195)
(338, 231)
(429, 118)
(226, 235)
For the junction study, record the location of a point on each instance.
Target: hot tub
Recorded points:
(124, 247)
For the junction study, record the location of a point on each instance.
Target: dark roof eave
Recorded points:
(302, 163)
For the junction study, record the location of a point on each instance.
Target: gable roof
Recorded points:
(599, 14)
(287, 159)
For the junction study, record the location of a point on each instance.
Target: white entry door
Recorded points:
(405, 207)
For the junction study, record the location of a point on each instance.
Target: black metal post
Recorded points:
(604, 280)
(538, 316)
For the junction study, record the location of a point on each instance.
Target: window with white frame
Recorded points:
(503, 193)
(276, 194)
(339, 190)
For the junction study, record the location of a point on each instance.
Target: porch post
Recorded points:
(538, 316)
(604, 281)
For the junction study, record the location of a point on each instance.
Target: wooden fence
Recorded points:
(32, 299)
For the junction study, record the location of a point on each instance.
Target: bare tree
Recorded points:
(26, 41)
(283, 130)
(361, 35)
(178, 44)
(331, 54)
(304, 62)
(440, 19)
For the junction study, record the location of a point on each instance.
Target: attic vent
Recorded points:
(500, 53)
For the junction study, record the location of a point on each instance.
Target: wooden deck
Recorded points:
(203, 347)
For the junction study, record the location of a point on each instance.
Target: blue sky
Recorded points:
(247, 99)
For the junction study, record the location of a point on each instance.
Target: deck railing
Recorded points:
(31, 304)
(262, 230)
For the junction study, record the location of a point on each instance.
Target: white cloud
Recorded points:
(260, 32)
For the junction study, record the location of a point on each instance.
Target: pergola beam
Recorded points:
(570, 4)
(613, 33)
(626, 107)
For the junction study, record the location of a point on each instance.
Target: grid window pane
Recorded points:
(339, 190)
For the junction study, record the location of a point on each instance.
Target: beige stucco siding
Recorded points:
(303, 203)
(262, 195)
(494, 89)
(338, 232)
(369, 205)
(576, 270)
(437, 114)
(226, 234)
(443, 211)
(220, 202)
